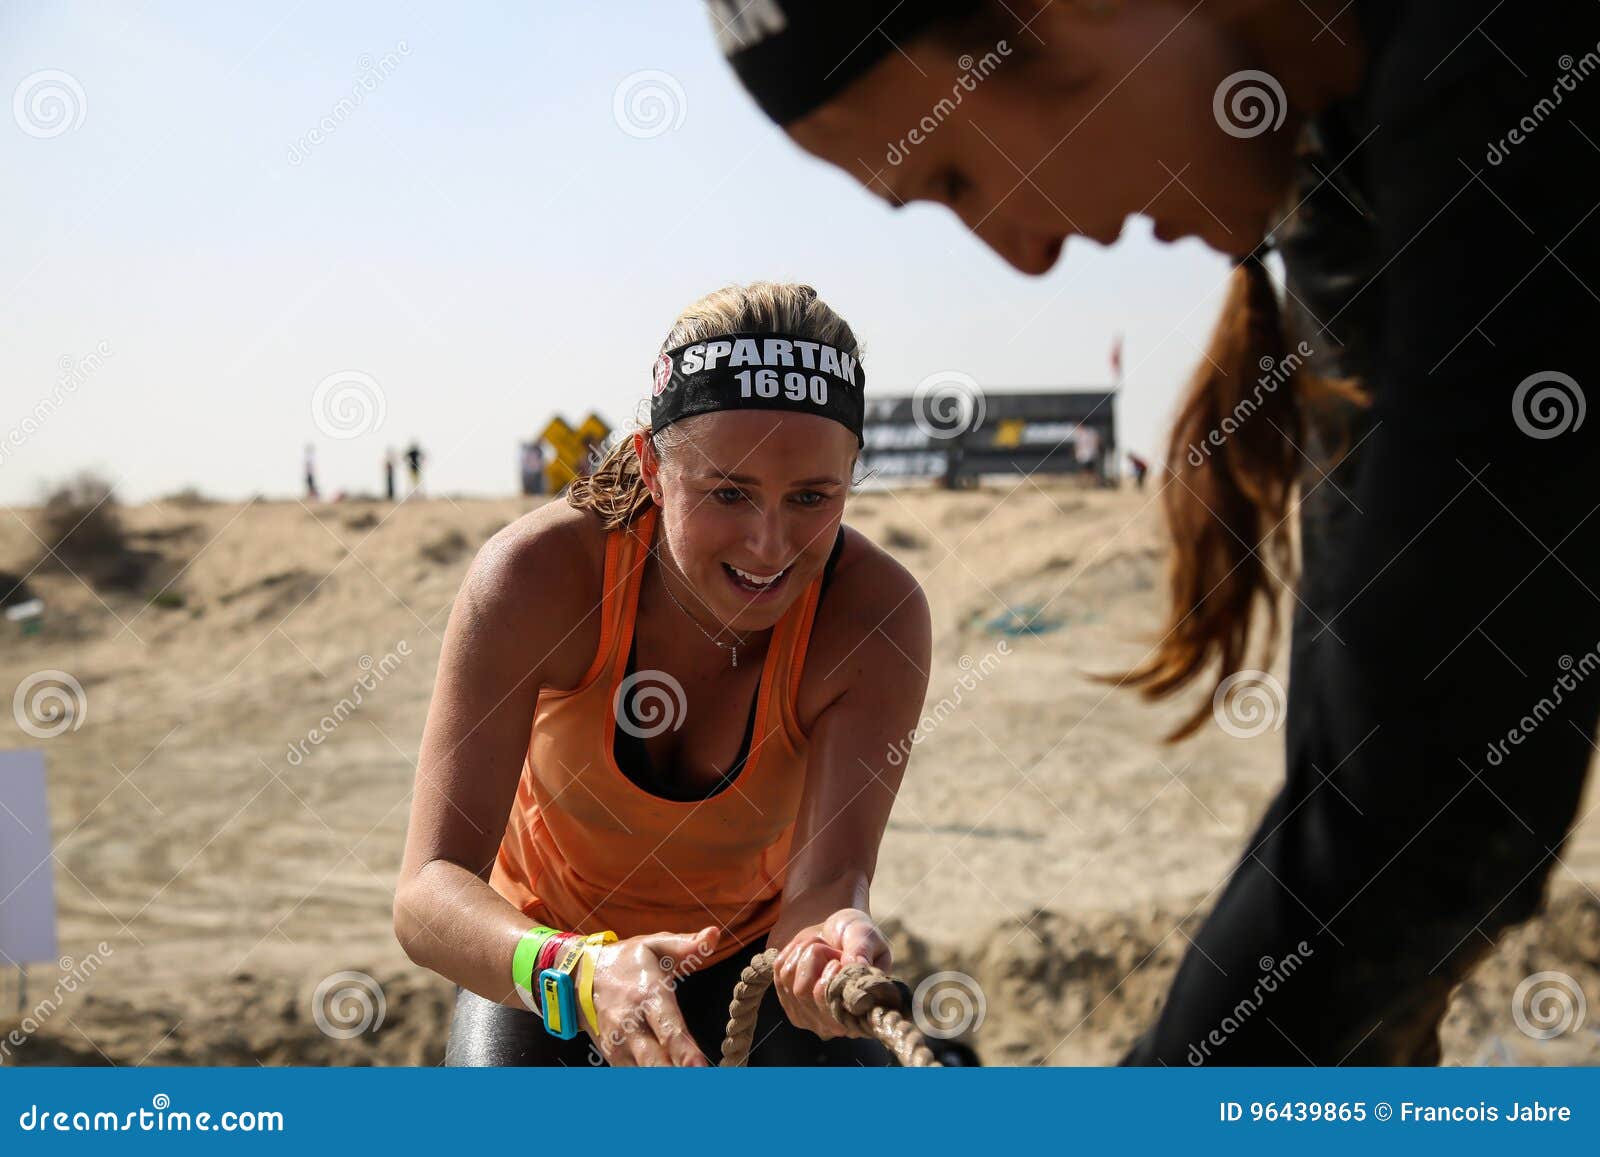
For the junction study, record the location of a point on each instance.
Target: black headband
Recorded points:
(796, 55)
(759, 371)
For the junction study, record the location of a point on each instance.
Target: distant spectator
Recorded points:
(1086, 451)
(388, 473)
(311, 473)
(1139, 467)
(532, 468)
(414, 459)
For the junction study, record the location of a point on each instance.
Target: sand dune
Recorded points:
(231, 864)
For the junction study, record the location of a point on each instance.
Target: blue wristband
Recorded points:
(558, 994)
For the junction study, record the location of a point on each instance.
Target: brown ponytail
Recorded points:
(1229, 478)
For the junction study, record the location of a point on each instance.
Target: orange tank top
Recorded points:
(587, 849)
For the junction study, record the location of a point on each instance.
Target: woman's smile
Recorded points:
(754, 587)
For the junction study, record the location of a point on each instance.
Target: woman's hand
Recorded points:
(634, 981)
(813, 955)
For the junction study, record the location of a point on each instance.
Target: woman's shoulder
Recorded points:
(536, 584)
(553, 544)
(868, 577)
(873, 621)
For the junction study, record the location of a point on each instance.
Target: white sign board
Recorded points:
(27, 878)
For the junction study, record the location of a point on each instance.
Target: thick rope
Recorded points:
(860, 997)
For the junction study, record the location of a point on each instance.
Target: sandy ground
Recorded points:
(228, 881)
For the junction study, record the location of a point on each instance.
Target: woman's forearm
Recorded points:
(451, 921)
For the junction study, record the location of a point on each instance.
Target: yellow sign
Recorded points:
(1010, 432)
(571, 448)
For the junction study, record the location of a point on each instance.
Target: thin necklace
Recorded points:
(731, 648)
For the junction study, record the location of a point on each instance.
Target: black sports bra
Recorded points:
(633, 758)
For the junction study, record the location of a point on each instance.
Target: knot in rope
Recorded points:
(864, 999)
(855, 991)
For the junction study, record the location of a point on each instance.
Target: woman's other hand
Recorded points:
(634, 998)
(811, 958)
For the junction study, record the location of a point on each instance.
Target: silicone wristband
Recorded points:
(538, 935)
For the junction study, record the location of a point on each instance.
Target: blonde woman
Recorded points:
(659, 741)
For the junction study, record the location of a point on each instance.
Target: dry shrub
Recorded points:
(446, 548)
(187, 498)
(81, 527)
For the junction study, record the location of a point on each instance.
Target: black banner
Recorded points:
(953, 431)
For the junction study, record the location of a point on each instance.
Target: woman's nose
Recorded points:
(769, 542)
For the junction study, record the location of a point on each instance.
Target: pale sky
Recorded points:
(479, 237)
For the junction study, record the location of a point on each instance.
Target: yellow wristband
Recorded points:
(586, 977)
(568, 958)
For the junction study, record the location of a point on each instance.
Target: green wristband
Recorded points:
(524, 960)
